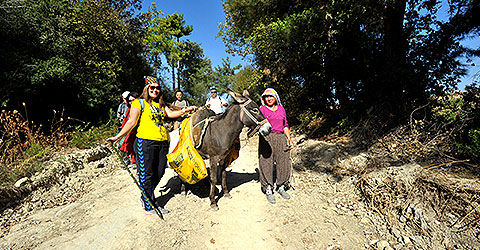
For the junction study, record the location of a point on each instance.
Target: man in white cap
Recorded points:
(122, 108)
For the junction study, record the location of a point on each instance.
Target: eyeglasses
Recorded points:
(213, 92)
(155, 87)
(131, 100)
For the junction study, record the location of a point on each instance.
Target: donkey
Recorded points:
(221, 133)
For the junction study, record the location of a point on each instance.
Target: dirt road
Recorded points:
(323, 213)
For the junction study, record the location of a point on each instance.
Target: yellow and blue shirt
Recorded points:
(150, 124)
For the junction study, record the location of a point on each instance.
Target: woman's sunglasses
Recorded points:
(155, 87)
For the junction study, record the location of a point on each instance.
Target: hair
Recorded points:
(263, 99)
(147, 97)
(213, 88)
(178, 91)
(132, 94)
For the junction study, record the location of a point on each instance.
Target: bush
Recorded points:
(22, 144)
(459, 115)
(86, 136)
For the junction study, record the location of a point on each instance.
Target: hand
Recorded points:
(112, 140)
(289, 143)
(190, 109)
(224, 104)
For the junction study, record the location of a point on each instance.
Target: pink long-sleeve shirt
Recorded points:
(277, 118)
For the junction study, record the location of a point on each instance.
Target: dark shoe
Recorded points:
(283, 193)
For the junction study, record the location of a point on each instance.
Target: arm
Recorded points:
(119, 111)
(286, 131)
(223, 102)
(132, 120)
(177, 113)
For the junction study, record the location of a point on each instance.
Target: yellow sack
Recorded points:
(185, 159)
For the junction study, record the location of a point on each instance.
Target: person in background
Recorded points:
(217, 103)
(127, 141)
(181, 103)
(122, 107)
(151, 142)
(273, 149)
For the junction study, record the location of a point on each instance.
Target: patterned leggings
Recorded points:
(271, 154)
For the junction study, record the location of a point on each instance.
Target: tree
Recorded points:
(162, 38)
(177, 26)
(224, 75)
(351, 53)
(77, 55)
(197, 73)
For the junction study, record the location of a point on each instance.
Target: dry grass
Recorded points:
(22, 143)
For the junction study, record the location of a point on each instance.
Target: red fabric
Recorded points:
(127, 144)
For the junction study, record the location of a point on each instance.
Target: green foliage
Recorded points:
(470, 148)
(344, 126)
(353, 54)
(76, 55)
(162, 39)
(87, 136)
(24, 145)
(224, 75)
(450, 110)
(459, 115)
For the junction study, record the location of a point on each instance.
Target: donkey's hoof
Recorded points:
(227, 195)
(214, 208)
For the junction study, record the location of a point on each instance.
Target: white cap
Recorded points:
(125, 94)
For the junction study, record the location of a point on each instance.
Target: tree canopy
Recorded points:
(77, 55)
(351, 54)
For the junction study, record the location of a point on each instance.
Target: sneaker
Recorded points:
(283, 193)
(160, 209)
(270, 197)
(163, 210)
(149, 212)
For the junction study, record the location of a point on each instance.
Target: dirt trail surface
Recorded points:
(97, 207)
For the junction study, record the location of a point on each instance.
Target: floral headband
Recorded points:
(149, 80)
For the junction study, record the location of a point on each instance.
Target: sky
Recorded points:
(205, 15)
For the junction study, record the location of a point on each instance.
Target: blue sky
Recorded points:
(205, 15)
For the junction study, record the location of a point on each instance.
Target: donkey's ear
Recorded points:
(245, 93)
(236, 96)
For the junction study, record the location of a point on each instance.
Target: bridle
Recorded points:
(246, 112)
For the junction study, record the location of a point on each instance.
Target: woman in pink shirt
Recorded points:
(273, 150)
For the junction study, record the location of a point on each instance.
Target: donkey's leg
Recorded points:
(213, 183)
(226, 193)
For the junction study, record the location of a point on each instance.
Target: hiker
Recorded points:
(216, 102)
(127, 141)
(151, 142)
(273, 149)
(122, 109)
(181, 103)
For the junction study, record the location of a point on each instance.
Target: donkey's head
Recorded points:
(250, 114)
